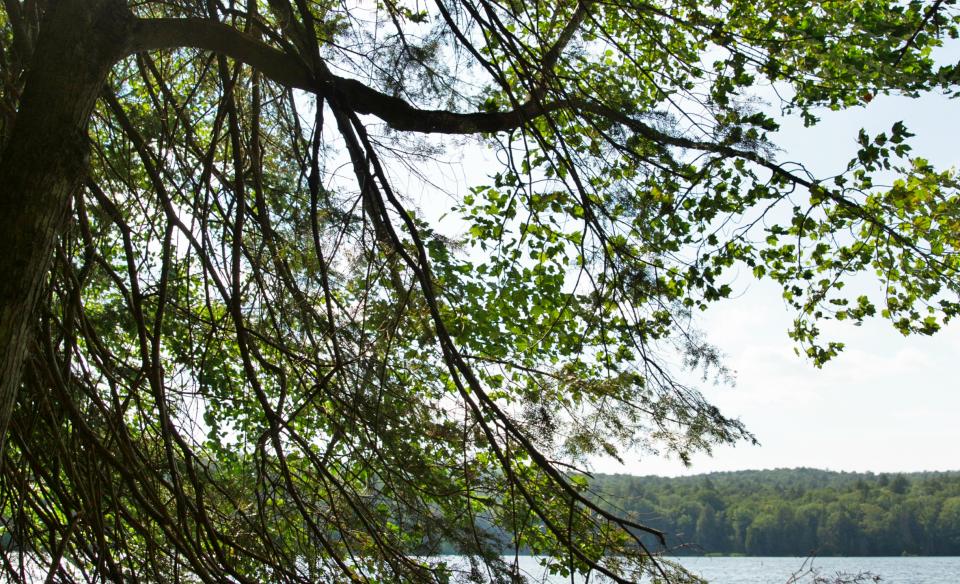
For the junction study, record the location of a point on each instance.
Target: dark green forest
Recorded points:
(796, 512)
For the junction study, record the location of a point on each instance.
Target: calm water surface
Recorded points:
(778, 570)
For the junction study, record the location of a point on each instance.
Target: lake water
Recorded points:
(943, 570)
(897, 570)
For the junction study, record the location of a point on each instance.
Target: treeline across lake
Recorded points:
(796, 512)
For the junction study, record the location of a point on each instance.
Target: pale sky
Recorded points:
(888, 403)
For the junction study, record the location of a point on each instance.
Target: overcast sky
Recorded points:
(888, 403)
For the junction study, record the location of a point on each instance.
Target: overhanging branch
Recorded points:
(174, 33)
(291, 71)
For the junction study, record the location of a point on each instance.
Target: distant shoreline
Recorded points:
(791, 512)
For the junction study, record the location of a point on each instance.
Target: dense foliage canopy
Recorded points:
(238, 342)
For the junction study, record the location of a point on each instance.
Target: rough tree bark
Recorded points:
(44, 161)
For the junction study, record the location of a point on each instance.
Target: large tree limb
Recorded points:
(176, 33)
(292, 71)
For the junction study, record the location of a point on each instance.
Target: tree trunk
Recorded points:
(44, 163)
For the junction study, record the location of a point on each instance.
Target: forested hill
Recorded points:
(795, 512)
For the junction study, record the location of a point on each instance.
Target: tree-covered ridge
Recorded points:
(796, 512)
